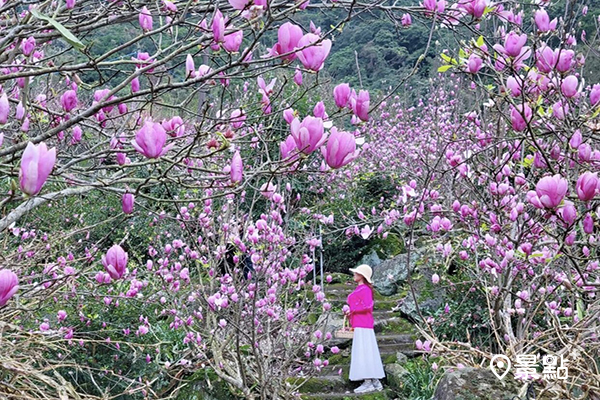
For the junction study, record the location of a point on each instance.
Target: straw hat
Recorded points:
(364, 270)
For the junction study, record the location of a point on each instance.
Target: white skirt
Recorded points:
(365, 362)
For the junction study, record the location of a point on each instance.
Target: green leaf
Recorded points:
(580, 309)
(595, 114)
(480, 41)
(444, 68)
(446, 58)
(67, 35)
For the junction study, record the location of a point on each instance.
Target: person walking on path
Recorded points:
(365, 361)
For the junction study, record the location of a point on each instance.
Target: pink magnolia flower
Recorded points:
(475, 8)
(239, 4)
(170, 6)
(576, 139)
(174, 126)
(237, 118)
(514, 86)
(474, 63)
(542, 21)
(568, 213)
(68, 100)
(77, 135)
(341, 94)
(145, 19)
(360, 105)
(340, 149)
(28, 45)
(4, 108)
(313, 57)
(513, 43)
(190, 69)
(288, 148)
(551, 190)
(520, 116)
(588, 224)
(595, 94)
(288, 37)
(587, 186)
(150, 140)
(9, 284)
(70, 4)
(406, 20)
(319, 110)
(288, 115)
(308, 134)
(233, 41)
(569, 86)
(545, 59)
(20, 111)
(298, 77)
(127, 203)
(115, 261)
(218, 27)
(565, 60)
(237, 168)
(36, 164)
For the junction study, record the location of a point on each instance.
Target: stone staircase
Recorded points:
(395, 338)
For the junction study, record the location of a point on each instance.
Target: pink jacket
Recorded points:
(361, 307)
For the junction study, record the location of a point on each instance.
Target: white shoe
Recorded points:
(366, 387)
(377, 385)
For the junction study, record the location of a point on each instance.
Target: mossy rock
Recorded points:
(205, 385)
(324, 384)
(475, 384)
(383, 395)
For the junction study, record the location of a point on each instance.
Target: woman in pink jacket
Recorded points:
(365, 362)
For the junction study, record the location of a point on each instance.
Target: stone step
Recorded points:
(386, 394)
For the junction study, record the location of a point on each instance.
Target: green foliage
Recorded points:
(420, 381)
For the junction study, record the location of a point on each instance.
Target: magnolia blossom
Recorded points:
(236, 171)
(150, 140)
(308, 134)
(127, 203)
(36, 164)
(542, 21)
(569, 86)
(288, 37)
(115, 261)
(406, 20)
(288, 148)
(341, 95)
(313, 55)
(145, 19)
(551, 190)
(340, 149)
(233, 41)
(298, 77)
(4, 108)
(28, 45)
(218, 27)
(360, 105)
(9, 284)
(587, 186)
(520, 116)
(68, 100)
(595, 94)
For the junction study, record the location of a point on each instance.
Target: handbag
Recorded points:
(346, 332)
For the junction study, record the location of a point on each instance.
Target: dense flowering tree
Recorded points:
(212, 250)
